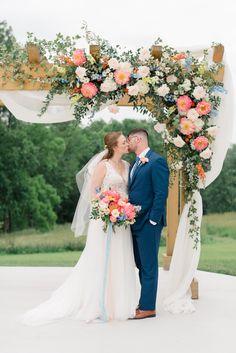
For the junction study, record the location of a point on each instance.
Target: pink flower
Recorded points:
(187, 127)
(121, 77)
(89, 90)
(78, 57)
(203, 107)
(184, 103)
(113, 219)
(200, 143)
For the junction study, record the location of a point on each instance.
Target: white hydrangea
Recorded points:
(171, 79)
(108, 85)
(143, 87)
(163, 90)
(186, 85)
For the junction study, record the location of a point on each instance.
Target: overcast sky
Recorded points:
(130, 23)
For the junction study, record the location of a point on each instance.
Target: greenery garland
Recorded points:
(185, 95)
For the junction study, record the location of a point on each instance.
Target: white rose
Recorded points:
(144, 54)
(133, 90)
(108, 85)
(113, 63)
(171, 79)
(142, 87)
(115, 213)
(160, 127)
(80, 72)
(126, 66)
(198, 124)
(192, 115)
(199, 92)
(178, 141)
(163, 90)
(212, 131)
(143, 71)
(113, 108)
(206, 154)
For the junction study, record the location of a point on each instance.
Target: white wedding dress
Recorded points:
(79, 296)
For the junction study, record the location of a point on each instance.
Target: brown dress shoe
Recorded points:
(144, 314)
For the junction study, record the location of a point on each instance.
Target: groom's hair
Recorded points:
(139, 131)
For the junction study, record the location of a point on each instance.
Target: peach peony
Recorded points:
(121, 77)
(89, 90)
(187, 127)
(78, 57)
(203, 107)
(200, 143)
(184, 103)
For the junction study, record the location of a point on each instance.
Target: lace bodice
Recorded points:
(114, 180)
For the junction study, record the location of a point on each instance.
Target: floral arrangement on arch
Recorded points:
(185, 97)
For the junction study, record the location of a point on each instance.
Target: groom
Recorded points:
(148, 187)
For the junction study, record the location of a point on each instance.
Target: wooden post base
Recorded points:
(194, 289)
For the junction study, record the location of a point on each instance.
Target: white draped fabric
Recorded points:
(185, 259)
(25, 106)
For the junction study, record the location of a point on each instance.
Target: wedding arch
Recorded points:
(182, 91)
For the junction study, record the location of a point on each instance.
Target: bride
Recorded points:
(82, 296)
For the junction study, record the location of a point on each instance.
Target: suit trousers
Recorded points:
(146, 243)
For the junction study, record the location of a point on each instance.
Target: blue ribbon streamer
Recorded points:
(104, 316)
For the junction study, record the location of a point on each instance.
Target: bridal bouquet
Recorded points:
(113, 208)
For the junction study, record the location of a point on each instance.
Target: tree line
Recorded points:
(38, 164)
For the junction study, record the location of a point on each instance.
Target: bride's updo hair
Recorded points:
(110, 141)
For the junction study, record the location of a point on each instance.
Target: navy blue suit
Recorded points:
(148, 188)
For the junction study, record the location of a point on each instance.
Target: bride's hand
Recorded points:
(97, 178)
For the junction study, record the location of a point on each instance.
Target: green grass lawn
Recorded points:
(60, 248)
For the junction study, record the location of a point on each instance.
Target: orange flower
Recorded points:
(201, 172)
(179, 56)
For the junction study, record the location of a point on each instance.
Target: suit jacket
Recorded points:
(149, 189)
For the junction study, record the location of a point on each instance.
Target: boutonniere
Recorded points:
(144, 160)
